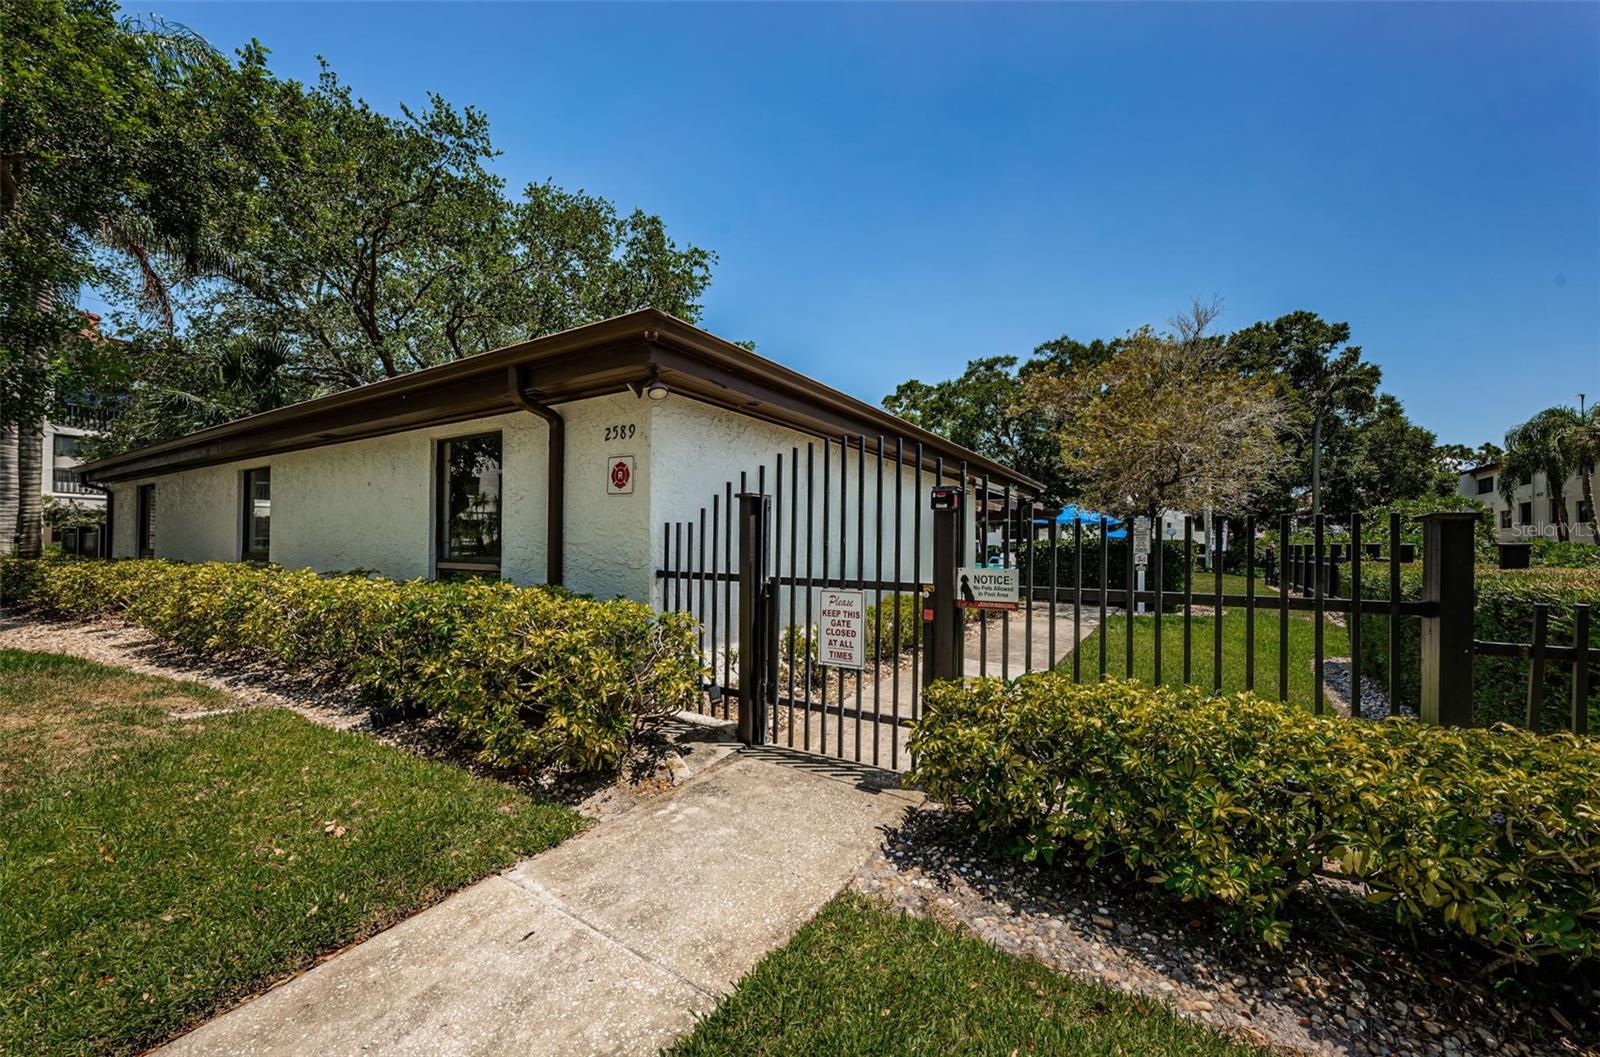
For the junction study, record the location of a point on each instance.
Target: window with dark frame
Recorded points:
(1485, 485)
(1525, 514)
(65, 445)
(147, 521)
(469, 506)
(257, 515)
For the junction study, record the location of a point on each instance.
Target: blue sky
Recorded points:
(894, 189)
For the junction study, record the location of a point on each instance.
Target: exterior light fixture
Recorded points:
(655, 390)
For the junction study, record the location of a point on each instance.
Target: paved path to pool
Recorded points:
(611, 943)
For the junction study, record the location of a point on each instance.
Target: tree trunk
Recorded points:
(30, 486)
(1586, 475)
(30, 438)
(1559, 502)
(8, 489)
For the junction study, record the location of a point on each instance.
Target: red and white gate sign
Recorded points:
(842, 628)
(619, 475)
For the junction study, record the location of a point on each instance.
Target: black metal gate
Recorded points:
(846, 514)
(856, 514)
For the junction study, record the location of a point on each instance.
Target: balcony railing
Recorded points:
(80, 416)
(71, 482)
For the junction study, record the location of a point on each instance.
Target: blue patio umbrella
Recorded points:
(1072, 512)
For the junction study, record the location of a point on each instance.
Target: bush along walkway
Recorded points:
(1320, 995)
(1468, 856)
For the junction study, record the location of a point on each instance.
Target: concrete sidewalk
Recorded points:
(610, 943)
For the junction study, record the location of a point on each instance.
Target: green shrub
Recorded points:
(1375, 526)
(1116, 562)
(1491, 837)
(1565, 555)
(533, 676)
(1503, 612)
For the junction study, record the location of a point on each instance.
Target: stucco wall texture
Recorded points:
(370, 504)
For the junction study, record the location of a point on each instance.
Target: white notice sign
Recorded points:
(842, 628)
(1141, 542)
(980, 587)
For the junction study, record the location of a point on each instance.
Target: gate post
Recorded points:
(944, 632)
(754, 516)
(1446, 656)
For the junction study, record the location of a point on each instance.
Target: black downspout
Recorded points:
(557, 486)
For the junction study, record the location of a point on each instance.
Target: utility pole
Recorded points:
(1316, 465)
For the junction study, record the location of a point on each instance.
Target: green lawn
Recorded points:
(858, 980)
(154, 870)
(1205, 583)
(1302, 630)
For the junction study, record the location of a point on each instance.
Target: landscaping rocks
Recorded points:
(1309, 998)
(1336, 681)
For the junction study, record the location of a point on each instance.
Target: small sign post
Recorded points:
(842, 628)
(1141, 553)
(982, 587)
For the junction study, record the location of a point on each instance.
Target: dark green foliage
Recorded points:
(984, 409)
(1490, 838)
(1566, 555)
(1503, 613)
(534, 676)
(1116, 563)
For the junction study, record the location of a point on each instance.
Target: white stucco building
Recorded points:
(556, 460)
(1531, 514)
(59, 480)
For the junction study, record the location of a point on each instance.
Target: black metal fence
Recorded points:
(857, 514)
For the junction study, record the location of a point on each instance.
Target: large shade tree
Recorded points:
(381, 244)
(985, 409)
(376, 244)
(1327, 387)
(1166, 422)
(120, 142)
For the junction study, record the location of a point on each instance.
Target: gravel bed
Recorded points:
(1313, 997)
(1374, 694)
(663, 757)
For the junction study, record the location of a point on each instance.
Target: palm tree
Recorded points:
(1581, 439)
(1541, 446)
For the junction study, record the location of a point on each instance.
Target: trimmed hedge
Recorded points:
(533, 676)
(1491, 837)
(1503, 613)
(1565, 555)
(1116, 562)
